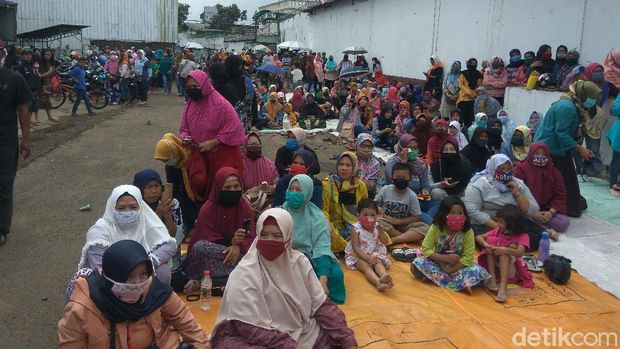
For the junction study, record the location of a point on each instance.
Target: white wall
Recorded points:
(403, 34)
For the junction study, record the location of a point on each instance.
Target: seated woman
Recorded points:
(485, 103)
(257, 169)
(219, 240)
(439, 137)
(383, 129)
(342, 192)
(312, 237)
(125, 306)
(271, 113)
(533, 122)
(546, 184)
(127, 217)
(311, 115)
(477, 151)
(495, 130)
(274, 300)
(495, 187)
(480, 121)
(296, 140)
(407, 153)
(451, 172)
(369, 167)
(516, 150)
(303, 163)
(455, 130)
(173, 154)
(151, 188)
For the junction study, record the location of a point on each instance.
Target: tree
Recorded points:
(226, 16)
(183, 13)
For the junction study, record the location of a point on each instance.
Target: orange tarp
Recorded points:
(421, 315)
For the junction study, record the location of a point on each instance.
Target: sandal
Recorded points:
(404, 254)
(532, 263)
(614, 192)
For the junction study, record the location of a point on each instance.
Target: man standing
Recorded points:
(78, 73)
(30, 74)
(15, 97)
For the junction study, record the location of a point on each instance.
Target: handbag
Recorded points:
(258, 199)
(346, 132)
(558, 269)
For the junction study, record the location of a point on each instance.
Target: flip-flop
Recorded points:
(404, 254)
(532, 263)
(614, 192)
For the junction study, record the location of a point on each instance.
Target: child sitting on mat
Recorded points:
(503, 248)
(366, 251)
(448, 250)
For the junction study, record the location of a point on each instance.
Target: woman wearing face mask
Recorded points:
(123, 305)
(485, 103)
(469, 80)
(274, 299)
(219, 240)
(455, 130)
(111, 67)
(451, 172)
(528, 59)
(404, 123)
(311, 116)
(543, 63)
(495, 130)
(561, 56)
(383, 129)
(342, 192)
(312, 237)
(369, 167)
(545, 182)
(422, 132)
(566, 67)
(496, 79)
(127, 217)
(508, 126)
(496, 186)
(451, 89)
(434, 76)
(303, 163)
(297, 100)
(257, 168)
(210, 123)
(435, 143)
(295, 140)
(481, 121)
(513, 66)
(519, 145)
(407, 153)
(559, 131)
(477, 151)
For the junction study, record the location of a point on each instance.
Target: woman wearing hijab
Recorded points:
(533, 122)
(218, 74)
(111, 67)
(434, 76)
(508, 126)
(439, 137)
(126, 306)
(614, 141)
(311, 116)
(257, 168)
(331, 72)
(298, 99)
(546, 184)
(124, 72)
(296, 139)
(455, 130)
(312, 237)
(303, 163)
(513, 66)
(495, 130)
(422, 132)
(212, 125)
(274, 299)
(383, 129)
(128, 217)
(392, 95)
(492, 189)
(543, 62)
(377, 71)
(519, 145)
(271, 113)
(309, 73)
(496, 79)
(469, 80)
(219, 240)
(485, 103)
(151, 187)
(477, 151)
(559, 131)
(369, 167)
(142, 74)
(404, 122)
(318, 70)
(611, 67)
(596, 73)
(451, 89)
(481, 121)
(344, 64)
(451, 172)
(564, 69)
(342, 192)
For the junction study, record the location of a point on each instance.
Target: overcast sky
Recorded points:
(196, 6)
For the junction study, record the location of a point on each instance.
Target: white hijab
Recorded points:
(460, 137)
(282, 294)
(150, 232)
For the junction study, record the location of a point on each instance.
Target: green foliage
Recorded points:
(227, 16)
(182, 16)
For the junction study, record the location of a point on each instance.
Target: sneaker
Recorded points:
(585, 178)
(92, 114)
(75, 114)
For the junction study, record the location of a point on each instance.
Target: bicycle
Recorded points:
(97, 97)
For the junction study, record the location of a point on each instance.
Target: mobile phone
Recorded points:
(167, 193)
(246, 224)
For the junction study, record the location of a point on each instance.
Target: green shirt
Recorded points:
(154, 70)
(463, 241)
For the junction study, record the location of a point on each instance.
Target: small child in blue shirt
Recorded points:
(79, 76)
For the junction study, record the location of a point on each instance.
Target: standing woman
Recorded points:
(434, 77)
(212, 124)
(559, 131)
(165, 66)
(46, 70)
(377, 71)
(331, 72)
(495, 80)
(111, 67)
(451, 90)
(318, 71)
(469, 80)
(142, 73)
(125, 73)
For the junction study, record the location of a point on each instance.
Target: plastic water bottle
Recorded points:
(205, 291)
(543, 247)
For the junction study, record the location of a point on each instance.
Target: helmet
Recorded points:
(89, 53)
(75, 54)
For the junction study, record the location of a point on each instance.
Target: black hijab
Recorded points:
(476, 154)
(452, 166)
(119, 260)
(384, 122)
(472, 74)
(142, 178)
(495, 136)
(235, 73)
(221, 81)
(547, 65)
(516, 64)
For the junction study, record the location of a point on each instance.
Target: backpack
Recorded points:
(558, 269)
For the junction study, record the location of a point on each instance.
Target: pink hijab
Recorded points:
(211, 117)
(611, 65)
(318, 68)
(392, 94)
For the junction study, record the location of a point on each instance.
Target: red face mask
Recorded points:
(454, 222)
(546, 56)
(271, 249)
(297, 169)
(368, 223)
(297, 94)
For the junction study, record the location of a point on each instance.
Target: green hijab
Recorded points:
(311, 235)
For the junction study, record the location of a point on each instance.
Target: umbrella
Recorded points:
(354, 72)
(290, 45)
(354, 50)
(194, 45)
(270, 68)
(260, 48)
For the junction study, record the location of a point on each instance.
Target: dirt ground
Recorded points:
(75, 162)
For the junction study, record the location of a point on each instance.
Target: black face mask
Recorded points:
(400, 183)
(516, 140)
(194, 93)
(482, 142)
(229, 198)
(254, 153)
(497, 132)
(346, 198)
(450, 158)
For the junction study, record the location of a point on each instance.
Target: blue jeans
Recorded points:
(9, 154)
(167, 83)
(80, 95)
(143, 88)
(429, 210)
(181, 85)
(614, 169)
(125, 90)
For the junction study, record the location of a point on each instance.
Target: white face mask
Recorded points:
(172, 162)
(127, 219)
(128, 293)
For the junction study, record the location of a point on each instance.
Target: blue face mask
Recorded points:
(295, 199)
(481, 123)
(515, 59)
(589, 103)
(503, 118)
(292, 144)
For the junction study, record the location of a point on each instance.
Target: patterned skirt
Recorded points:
(466, 277)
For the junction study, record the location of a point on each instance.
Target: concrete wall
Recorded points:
(214, 43)
(403, 34)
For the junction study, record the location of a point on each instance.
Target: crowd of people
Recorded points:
(462, 176)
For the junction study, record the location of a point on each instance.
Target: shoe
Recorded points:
(2, 239)
(585, 178)
(579, 178)
(75, 114)
(92, 114)
(614, 192)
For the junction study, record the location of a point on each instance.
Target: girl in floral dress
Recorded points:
(366, 251)
(447, 257)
